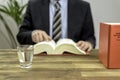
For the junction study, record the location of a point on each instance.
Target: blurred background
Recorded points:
(102, 10)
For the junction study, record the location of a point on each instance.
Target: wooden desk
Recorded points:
(56, 68)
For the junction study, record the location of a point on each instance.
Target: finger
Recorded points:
(40, 36)
(84, 46)
(37, 36)
(49, 38)
(90, 46)
(89, 49)
(34, 37)
(37, 39)
(80, 44)
(45, 36)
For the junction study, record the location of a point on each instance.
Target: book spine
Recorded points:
(109, 45)
(104, 43)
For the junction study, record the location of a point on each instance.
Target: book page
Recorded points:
(45, 46)
(113, 23)
(52, 48)
(110, 23)
(65, 41)
(67, 45)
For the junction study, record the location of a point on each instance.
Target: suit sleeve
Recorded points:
(88, 29)
(24, 34)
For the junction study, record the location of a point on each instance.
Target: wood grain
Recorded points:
(56, 68)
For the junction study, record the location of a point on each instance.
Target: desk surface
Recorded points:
(56, 68)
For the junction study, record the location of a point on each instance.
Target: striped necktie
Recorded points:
(57, 22)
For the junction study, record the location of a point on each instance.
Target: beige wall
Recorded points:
(104, 11)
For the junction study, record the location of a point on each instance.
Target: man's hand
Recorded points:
(85, 46)
(39, 35)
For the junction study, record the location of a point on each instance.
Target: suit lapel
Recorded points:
(45, 16)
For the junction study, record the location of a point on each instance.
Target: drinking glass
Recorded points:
(25, 55)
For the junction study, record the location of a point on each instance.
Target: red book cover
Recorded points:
(109, 44)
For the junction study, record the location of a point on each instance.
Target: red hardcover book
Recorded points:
(109, 44)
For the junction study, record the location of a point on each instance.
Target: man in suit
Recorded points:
(77, 23)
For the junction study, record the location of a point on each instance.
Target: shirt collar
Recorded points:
(61, 2)
(53, 1)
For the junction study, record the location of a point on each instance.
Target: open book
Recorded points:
(52, 48)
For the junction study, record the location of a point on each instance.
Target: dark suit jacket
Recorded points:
(80, 23)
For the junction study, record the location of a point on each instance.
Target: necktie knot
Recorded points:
(57, 4)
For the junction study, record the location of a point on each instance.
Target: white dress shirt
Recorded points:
(64, 11)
